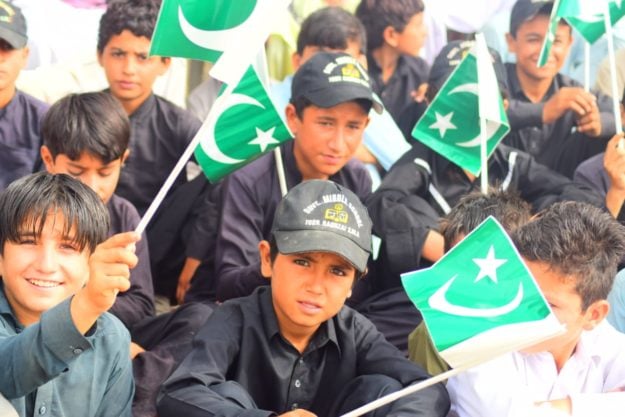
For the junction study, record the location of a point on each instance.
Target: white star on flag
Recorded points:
(443, 123)
(264, 139)
(488, 266)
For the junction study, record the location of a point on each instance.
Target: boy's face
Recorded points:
(528, 43)
(410, 40)
(566, 303)
(129, 70)
(325, 139)
(90, 170)
(307, 289)
(39, 272)
(12, 61)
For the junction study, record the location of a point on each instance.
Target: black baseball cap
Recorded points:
(331, 78)
(524, 10)
(452, 54)
(322, 216)
(12, 25)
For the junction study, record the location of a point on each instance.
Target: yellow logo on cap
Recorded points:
(6, 12)
(336, 214)
(350, 70)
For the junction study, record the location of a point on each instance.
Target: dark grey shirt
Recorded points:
(49, 369)
(20, 137)
(249, 200)
(241, 342)
(557, 145)
(137, 303)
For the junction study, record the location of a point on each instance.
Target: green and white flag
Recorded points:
(585, 16)
(242, 125)
(451, 124)
(226, 32)
(480, 300)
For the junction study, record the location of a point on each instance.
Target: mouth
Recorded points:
(42, 283)
(309, 307)
(126, 85)
(332, 159)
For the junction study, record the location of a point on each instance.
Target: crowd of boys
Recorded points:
(292, 305)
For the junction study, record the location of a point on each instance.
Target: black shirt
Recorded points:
(241, 342)
(409, 74)
(556, 145)
(422, 186)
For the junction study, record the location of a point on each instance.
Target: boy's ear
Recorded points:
(125, 156)
(292, 118)
(48, 160)
(24, 57)
(296, 60)
(265, 259)
(595, 314)
(166, 62)
(511, 43)
(390, 36)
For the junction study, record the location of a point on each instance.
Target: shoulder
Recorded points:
(416, 65)
(31, 102)
(248, 175)
(175, 114)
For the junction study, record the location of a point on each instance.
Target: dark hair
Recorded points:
(545, 10)
(331, 27)
(301, 103)
(273, 254)
(137, 16)
(510, 210)
(27, 203)
(577, 240)
(95, 123)
(377, 15)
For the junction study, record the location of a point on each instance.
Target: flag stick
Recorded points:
(263, 73)
(615, 95)
(586, 65)
(483, 157)
(175, 172)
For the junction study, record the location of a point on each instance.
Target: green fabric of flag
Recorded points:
(451, 124)
(480, 299)
(242, 124)
(585, 16)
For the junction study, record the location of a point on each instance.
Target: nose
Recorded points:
(338, 140)
(47, 259)
(130, 65)
(314, 283)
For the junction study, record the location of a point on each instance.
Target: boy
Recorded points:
(327, 115)
(551, 115)
(60, 352)
(20, 114)
(572, 250)
(160, 132)
(86, 136)
(395, 35)
(293, 348)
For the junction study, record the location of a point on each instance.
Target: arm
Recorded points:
(237, 262)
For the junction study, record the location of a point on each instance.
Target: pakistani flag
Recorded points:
(226, 32)
(480, 300)
(242, 124)
(585, 16)
(451, 124)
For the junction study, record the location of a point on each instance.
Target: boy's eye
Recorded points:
(69, 246)
(27, 241)
(301, 262)
(117, 54)
(338, 271)
(142, 57)
(354, 126)
(75, 173)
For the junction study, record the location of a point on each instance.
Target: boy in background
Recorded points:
(58, 281)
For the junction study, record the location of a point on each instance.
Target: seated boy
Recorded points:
(60, 352)
(572, 250)
(551, 115)
(92, 148)
(395, 35)
(20, 114)
(293, 348)
(327, 115)
(160, 132)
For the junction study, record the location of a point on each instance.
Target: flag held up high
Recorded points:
(480, 300)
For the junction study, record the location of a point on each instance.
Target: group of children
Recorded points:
(263, 279)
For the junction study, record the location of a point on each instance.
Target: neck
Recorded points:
(6, 96)
(386, 58)
(307, 171)
(534, 89)
(563, 354)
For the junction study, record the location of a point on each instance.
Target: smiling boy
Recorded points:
(293, 349)
(55, 334)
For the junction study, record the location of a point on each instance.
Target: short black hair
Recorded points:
(137, 16)
(377, 15)
(301, 103)
(95, 123)
(331, 27)
(507, 207)
(579, 241)
(26, 204)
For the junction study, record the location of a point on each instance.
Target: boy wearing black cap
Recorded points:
(554, 119)
(294, 349)
(20, 113)
(423, 186)
(327, 115)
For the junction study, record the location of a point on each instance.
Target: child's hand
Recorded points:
(569, 98)
(299, 412)
(109, 273)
